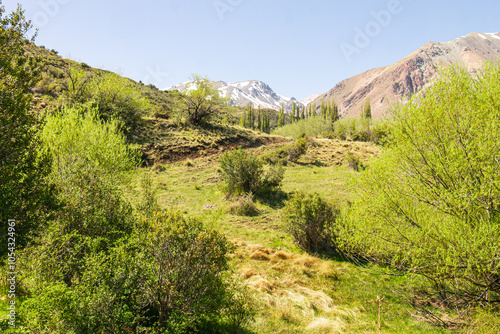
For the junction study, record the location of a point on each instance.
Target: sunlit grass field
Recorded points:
(293, 292)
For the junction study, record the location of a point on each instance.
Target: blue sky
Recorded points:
(298, 47)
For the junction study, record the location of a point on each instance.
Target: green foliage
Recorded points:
(431, 204)
(78, 133)
(149, 202)
(24, 193)
(312, 126)
(201, 102)
(184, 265)
(366, 110)
(116, 97)
(311, 221)
(357, 129)
(484, 321)
(242, 173)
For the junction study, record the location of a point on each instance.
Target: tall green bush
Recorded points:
(431, 204)
(242, 173)
(311, 221)
(25, 194)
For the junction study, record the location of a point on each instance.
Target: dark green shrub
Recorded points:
(380, 132)
(297, 150)
(243, 172)
(311, 221)
(271, 184)
(115, 97)
(169, 276)
(184, 265)
(25, 194)
(328, 134)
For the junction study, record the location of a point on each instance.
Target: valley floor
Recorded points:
(294, 292)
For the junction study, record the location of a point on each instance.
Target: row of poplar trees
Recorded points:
(256, 120)
(328, 110)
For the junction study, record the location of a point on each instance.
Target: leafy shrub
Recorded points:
(242, 173)
(297, 150)
(329, 135)
(430, 205)
(184, 267)
(89, 158)
(25, 194)
(169, 275)
(311, 221)
(149, 202)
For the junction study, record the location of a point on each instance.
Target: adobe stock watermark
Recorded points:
(11, 273)
(224, 6)
(363, 37)
(48, 10)
(155, 75)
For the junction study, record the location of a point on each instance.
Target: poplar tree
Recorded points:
(259, 120)
(367, 109)
(250, 117)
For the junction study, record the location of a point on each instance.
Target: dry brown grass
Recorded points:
(258, 255)
(334, 152)
(325, 325)
(282, 255)
(289, 295)
(257, 282)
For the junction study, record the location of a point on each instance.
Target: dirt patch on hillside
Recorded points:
(167, 153)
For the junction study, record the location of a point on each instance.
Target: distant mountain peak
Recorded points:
(241, 93)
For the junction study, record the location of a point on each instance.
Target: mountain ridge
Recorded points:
(240, 93)
(388, 84)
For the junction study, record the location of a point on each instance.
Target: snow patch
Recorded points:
(494, 35)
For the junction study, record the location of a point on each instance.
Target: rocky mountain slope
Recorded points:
(243, 92)
(387, 85)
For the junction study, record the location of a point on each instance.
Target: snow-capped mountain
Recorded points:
(241, 93)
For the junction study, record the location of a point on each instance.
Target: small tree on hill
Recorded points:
(203, 102)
